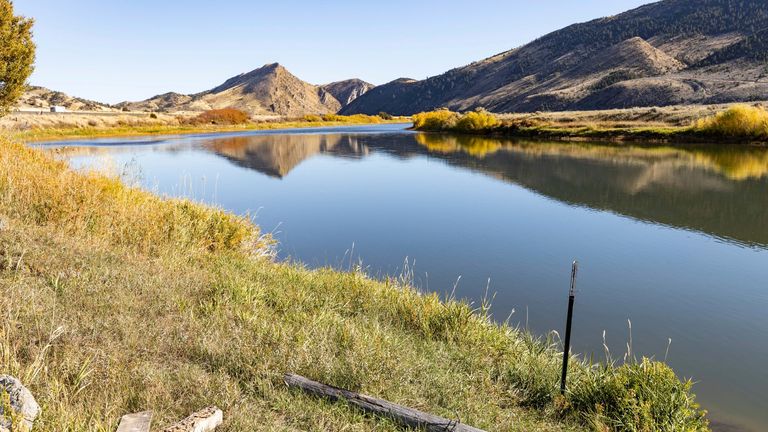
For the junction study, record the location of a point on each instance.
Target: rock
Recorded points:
(3, 223)
(204, 420)
(22, 402)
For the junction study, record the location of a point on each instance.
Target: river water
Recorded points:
(673, 240)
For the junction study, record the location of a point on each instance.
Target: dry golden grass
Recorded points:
(36, 188)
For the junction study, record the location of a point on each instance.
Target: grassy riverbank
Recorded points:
(115, 301)
(172, 126)
(734, 124)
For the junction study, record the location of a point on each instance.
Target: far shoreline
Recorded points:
(39, 135)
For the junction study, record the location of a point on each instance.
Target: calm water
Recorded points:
(674, 240)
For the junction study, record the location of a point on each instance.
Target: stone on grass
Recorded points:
(22, 403)
(204, 420)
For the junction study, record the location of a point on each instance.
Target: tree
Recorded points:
(17, 55)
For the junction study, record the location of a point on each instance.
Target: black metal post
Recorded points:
(567, 346)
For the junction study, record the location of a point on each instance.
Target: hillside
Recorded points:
(670, 52)
(348, 90)
(42, 98)
(269, 90)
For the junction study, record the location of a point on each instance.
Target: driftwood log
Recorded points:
(408, 417)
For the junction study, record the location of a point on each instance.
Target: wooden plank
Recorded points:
(204, 420)
(407, 417)
(137, 422)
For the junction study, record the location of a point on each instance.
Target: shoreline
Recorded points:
(742, 124)
(62, 134)
(673, 137)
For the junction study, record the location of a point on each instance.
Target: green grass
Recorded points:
(115, 301)
(739, 123)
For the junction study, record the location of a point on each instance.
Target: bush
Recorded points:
(737, 121)
(446, 120)
(225, 116)
(385, 115)
(312, 118)
(435, 120)
(477, 121)
(153, 116)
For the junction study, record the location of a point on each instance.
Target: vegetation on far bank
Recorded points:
(738, 123)
(223, 120)
(114, 301)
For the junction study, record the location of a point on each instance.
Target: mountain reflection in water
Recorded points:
(717, 191)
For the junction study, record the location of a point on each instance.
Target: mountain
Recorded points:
(42, 98)
(268, 90)
(348, 90)
(665, 53)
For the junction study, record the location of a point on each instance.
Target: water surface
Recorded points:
(673, 239)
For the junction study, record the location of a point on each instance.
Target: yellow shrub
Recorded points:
(477, 121)
(736, 121)
(355, 118)
(435, 120)
(312, 118)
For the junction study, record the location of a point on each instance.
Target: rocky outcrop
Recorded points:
(348, 90)
(22, 404)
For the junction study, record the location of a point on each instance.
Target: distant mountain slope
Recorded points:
(670, 52)
(269, 90)
(348, 90)
(42, 98)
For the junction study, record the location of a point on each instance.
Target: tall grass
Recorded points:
(737, 121)
(38, 189)
(98, 322)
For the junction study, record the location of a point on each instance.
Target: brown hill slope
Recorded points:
(348, 90)
(670, 52)
(269, 90)
(43, 98)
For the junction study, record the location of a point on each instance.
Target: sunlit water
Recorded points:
(674, 240)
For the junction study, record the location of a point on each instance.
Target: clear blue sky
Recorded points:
(115, 50)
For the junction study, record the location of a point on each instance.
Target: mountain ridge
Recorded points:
(268, 90)
(728, 37)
